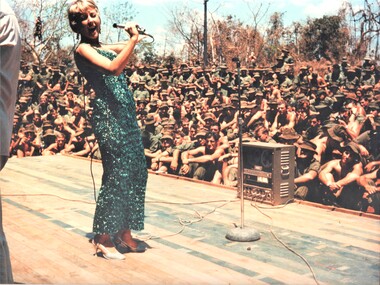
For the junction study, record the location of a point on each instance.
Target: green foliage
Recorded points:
(324, 37)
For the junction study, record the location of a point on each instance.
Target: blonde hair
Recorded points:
(76, 10)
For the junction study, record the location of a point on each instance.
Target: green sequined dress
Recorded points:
(120, 204)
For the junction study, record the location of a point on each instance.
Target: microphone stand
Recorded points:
(241, 233)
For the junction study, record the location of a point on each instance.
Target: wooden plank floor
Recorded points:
(48, 206)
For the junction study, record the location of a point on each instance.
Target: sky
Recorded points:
(153, 15)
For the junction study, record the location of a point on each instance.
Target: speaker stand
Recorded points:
(241, 234)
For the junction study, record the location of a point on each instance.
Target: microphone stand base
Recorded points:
(243, 234)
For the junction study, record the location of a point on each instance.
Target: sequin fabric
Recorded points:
(120, 204)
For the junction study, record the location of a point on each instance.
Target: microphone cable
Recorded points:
(91, 171)
(258, 208)
(91, 148)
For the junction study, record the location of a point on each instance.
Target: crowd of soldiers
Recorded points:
(190, 117)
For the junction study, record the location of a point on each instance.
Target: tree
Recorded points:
(230, 38)
(187, 29)
(115, 12)
(54, 44)
(273, 38)
(324, 37)
(45, 46)
(258, 14)
(364, 29)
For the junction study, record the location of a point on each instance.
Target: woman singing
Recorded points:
(120, 205)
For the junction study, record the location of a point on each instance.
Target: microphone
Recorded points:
(139, 29)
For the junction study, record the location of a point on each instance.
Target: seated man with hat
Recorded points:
(370, 185)
(162, 160)
(306, 173)
(338, 179)
(141, 93)
(202, 163)
(29, 143)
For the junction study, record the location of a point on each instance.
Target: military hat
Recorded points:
(149, 119)
(49, 133)
(321, 106)
(164, 105)
(353, 148)
(328, 124)
(201, 133)
(153, 103)
(167, 136)
(47, 125)
(234, 98)
(321, 92)
(289, 134)
(314, 89)
(27, 94)
(142, 101)
(243, 97)
(351, 87)
(300, 96)
(287, 95)
(29, 129)
(208, 116)
(257, 75)
(337, 132)
(352, 96)
(268, 83)
(191, 93)
(308, 145)
(272, 102)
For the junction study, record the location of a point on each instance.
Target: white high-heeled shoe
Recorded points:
(106, 253)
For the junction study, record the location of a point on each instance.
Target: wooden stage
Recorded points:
(48, 206)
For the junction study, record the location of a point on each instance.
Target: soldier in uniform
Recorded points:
(43, 78)
(141, 93)
(221, 80)
(24, 79)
